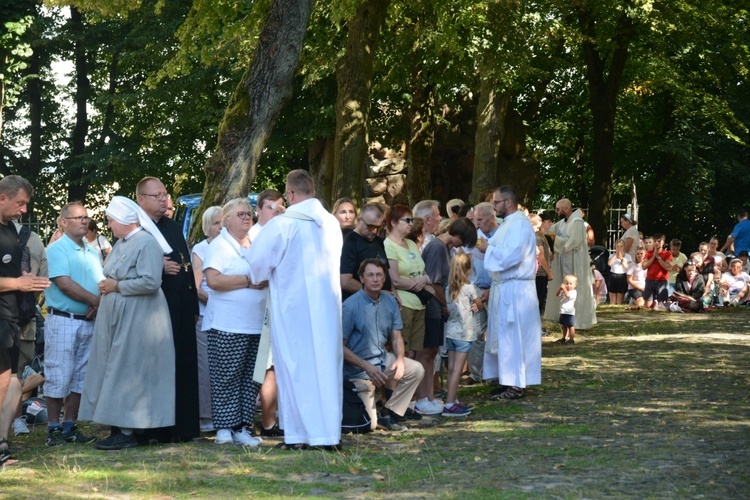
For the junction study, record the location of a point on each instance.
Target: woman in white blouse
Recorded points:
(619, 262)
(234, 319)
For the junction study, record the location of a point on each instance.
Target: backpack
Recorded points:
(355, 418)
(26, 300)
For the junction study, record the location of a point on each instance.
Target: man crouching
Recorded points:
(369, 319)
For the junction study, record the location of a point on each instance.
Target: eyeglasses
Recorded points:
(408, 220)
(158, 196)
(495, 202)
(80, 218)
(373, 228)
(244, 215)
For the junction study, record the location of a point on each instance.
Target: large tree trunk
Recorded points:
(256, 103)
(421, 140)
(320, 159)
(491, 112)
(604, 85)
(353, 78)
(77, 184)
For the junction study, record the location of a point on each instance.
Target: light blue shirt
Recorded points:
(367, 325)
(82, 265)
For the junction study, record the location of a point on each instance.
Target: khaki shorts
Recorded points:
(413, 330)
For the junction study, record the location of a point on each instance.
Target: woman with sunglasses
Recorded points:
(234, 319)
(406, 269)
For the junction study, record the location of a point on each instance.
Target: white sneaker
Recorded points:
(438, 405)
(224, 436)
(427, 407)
(244, 438)
(734, 302)
(19, 426)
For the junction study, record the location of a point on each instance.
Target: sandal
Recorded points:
(5, 456)
(293, 447)
(510, 393)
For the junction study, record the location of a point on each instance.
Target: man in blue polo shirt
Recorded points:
(75, 269)
(740, 234)
(369, 319)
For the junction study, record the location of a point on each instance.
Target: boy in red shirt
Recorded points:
(657, 264)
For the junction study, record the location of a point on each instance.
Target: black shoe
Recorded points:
(117, 442)
(569, 341)
(272, 432)
(390, 424)
(75, 436)
(412, 415)
(56, 437)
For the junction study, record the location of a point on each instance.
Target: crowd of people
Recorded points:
(646, 272)
(287, 306)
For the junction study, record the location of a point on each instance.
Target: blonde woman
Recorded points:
(211, 225)
(234, 319)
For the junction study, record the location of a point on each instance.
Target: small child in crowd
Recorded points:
(460, 331)
(567, 293)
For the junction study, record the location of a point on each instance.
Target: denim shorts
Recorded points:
(457, 345)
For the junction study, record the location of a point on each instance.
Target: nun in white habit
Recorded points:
(130, 382)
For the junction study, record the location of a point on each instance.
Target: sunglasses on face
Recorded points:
(373, 228)
(408, 220)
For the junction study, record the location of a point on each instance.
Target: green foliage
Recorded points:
(161, 74)
(14, 52)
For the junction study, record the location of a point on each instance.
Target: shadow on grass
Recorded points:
(656, 410)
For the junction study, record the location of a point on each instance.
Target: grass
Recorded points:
(644, 405)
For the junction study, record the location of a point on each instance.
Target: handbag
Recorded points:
(424, 296)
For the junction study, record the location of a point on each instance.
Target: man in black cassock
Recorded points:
(178, 286)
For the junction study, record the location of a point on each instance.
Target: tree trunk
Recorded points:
(491, 112)
(421, 140)
(256, 103)
(353, 78)
(320, 159)
(77, 184)
(604, 85)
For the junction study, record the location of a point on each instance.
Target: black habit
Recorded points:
(182, 299)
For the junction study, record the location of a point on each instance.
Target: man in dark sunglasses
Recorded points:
(363, 243)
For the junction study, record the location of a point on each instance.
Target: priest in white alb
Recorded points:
(299, 253)
(513, 351)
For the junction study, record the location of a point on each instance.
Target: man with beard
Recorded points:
(571, 257)
(513, 353)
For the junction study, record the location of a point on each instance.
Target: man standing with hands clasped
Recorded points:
(178, 285)
(75, 269)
